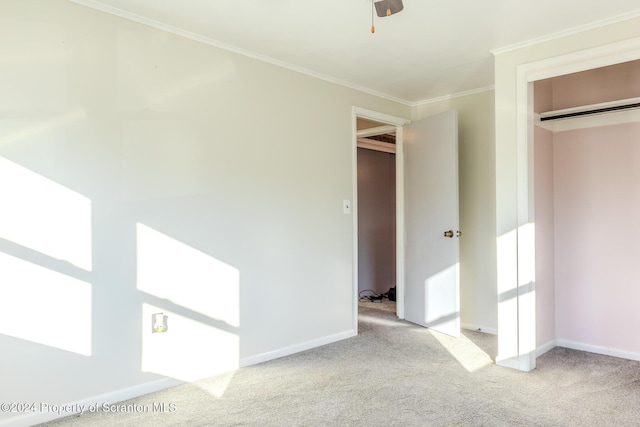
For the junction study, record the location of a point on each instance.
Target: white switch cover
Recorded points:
(346, 206)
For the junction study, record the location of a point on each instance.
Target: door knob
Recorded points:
(448, 233)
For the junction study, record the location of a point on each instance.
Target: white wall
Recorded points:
(515, 348)
(144, 172)
(476, 160)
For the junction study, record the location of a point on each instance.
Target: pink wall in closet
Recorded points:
(612, 83)
(544, 223)
(596, 177)
(587, 210)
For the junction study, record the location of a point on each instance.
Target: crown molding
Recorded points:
(97, 5)
(567, 32)
(453, 96)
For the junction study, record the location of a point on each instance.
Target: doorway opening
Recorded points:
(376, 200)
(426, 221)
(379, 124)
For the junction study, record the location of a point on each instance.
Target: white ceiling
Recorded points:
(433, 48)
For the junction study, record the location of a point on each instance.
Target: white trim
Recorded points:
(378, 130)
(512, 362)
(608, 351)
(106, 398)
(400, 228)
(583, 60)
(611, 118)
(567, 32)
(354, 219)
(478, 328)
(607, 118)
(296, 348)
(379, 117)
(542, 349)
(452, 96)
(372, 144)
(584, 108)
(550, 126)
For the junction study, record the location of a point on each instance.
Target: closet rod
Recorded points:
(594, 111)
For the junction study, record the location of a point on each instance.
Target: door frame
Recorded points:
(398, 122)
(527, 74)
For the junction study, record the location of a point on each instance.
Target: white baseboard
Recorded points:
(623, 354)
(307, 345)
(142, 389)
(478, 328)
(542, 349)
(107, 398)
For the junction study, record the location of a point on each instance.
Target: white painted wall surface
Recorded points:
(143, 173)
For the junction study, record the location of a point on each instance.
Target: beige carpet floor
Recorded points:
(397, 374)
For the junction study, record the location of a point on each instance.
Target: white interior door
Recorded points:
(432, 285)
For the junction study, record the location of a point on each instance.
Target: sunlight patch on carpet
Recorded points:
(469, 355)
(216, 386)
(378, 321)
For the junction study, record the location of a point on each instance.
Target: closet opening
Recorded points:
(586, 176)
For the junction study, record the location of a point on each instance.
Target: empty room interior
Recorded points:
(205, 191)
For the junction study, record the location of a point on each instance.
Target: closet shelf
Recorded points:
(584, 110)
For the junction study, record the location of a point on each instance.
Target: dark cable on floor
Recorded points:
(375, 297)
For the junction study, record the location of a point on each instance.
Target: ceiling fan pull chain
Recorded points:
(373, 28)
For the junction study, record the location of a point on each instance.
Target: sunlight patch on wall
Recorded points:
(170, 269)
(526, 288)
(440, 297)
(188, 350)
(44, 306)
(526, 254)
(42, 127)
(45, 216)
(469, 355)
(506, 247)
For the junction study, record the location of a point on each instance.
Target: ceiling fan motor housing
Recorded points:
(388, 7)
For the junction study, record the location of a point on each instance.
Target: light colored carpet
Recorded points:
(397, 374)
